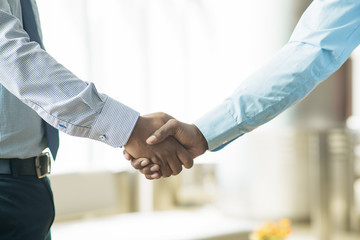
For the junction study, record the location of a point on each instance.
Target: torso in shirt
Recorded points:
(22, 132)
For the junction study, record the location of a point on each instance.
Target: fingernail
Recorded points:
(154, 168)
(144, 163)
(155, 175)
(151, 139)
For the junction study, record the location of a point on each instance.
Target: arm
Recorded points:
(324, 38)
(57, 95)
(72, 105)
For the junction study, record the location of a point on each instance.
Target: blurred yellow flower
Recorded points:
(272, 231)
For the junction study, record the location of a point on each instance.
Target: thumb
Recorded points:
(166, 130)
(127, 155)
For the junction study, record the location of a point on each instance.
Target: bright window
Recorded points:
(177, 56)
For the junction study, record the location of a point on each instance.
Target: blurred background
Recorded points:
(183, 57)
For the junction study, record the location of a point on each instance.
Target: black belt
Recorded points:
(39, 166)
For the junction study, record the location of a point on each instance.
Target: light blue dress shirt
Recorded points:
(33, 85)
(324, 38)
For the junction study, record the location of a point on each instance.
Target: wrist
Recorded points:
(202, 140)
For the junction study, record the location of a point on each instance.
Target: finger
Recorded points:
(149, 177)
(150, 169)
(127, 155)
(175, 164)
(169, 158)
(155, 168)
(168, 129)
(165, 169)
(139, 163)
(185, 157)
(153, 176)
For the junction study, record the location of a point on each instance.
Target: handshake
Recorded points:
(160, 145)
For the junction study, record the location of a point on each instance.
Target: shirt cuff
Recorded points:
(114, 124)
(219, 127)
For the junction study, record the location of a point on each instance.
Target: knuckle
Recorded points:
(173, 122)
(189, 164)
(160, 133)
(133, 163)
(156, 161)
(177, 171)
(163, 116)
(138, 165)
(145, 170)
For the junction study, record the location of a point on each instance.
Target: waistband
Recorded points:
(39, 166)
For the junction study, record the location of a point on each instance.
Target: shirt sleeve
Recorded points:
(56, 94)
(323, 39)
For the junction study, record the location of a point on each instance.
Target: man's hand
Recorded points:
(168, 155)
(149, 169)
(186, 134)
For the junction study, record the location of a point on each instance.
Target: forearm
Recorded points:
(324, 38)
(56, 94)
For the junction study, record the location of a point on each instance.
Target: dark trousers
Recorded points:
(26, 208)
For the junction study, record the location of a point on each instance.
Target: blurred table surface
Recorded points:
(164, 225)
(172, 225)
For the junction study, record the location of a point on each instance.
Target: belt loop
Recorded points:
(14, 167)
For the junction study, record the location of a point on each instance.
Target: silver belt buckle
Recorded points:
(43, 165)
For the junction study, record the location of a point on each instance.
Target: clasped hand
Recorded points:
(160, 145)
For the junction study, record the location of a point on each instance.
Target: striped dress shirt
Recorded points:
(33, 85)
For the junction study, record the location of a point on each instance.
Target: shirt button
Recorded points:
(102, 137)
